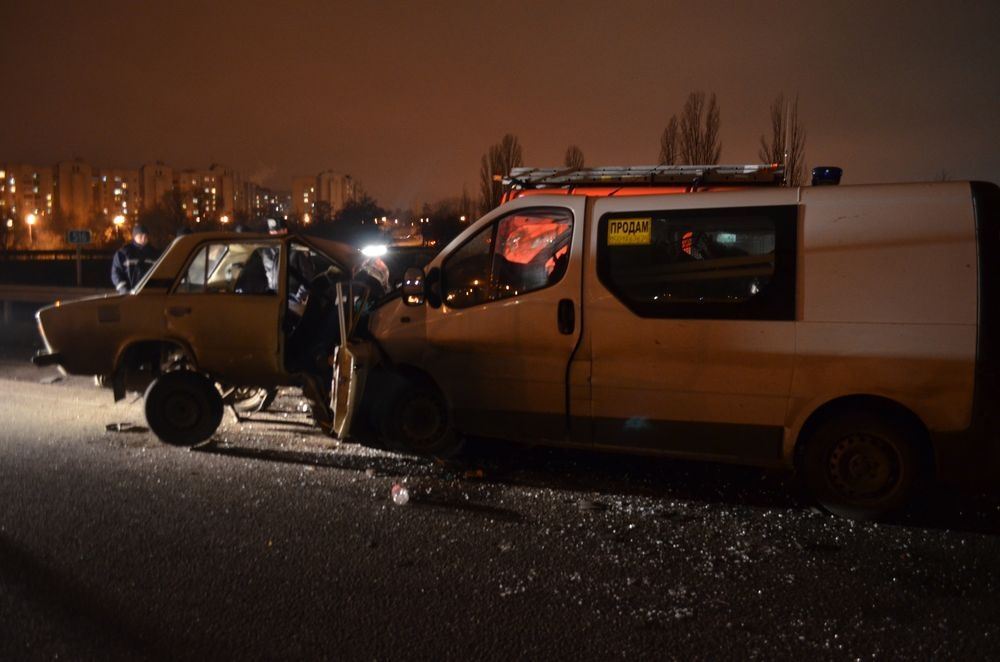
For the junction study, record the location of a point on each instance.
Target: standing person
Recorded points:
(132, 261)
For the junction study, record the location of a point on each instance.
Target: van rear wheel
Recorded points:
(860, 466)
(183, 408)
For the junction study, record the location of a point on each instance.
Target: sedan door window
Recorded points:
(231, 268)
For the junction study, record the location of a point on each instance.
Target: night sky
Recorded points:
(406, 96)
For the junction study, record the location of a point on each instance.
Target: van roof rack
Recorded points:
(772, 174)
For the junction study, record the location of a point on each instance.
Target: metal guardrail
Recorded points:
(42, 294)
(46, 256)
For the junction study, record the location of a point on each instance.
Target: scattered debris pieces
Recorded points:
(591, 506)
(125, 427)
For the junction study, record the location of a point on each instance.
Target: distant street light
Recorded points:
(306, 218)
(31, 219)
(223, 219)
(118, 220)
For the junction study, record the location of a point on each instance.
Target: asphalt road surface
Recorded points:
(272, 542)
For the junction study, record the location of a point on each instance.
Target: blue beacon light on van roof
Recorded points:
(826, 175)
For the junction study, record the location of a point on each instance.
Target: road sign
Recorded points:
(79, 237)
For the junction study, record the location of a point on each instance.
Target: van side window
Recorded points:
(736, 263)
(521, 252)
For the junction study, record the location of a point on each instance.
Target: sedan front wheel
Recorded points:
(183, 408)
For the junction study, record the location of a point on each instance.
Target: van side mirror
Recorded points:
(413, 287)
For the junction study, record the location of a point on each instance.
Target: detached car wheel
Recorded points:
(416, 420)
(861, 466)
(183, 408)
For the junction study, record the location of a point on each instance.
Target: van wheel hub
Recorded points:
(864, 466)
(421, 420)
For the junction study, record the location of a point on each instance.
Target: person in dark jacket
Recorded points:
(132, 261)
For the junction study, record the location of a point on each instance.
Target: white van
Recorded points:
(848, 332)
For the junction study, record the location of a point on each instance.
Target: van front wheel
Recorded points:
(860, 466)
(416, 420)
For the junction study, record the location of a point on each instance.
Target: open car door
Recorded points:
(349, 364)
(344, 387)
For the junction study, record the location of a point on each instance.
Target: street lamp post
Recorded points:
(31, 219)
(118, 220)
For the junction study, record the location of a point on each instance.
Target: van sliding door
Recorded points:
(690, 306)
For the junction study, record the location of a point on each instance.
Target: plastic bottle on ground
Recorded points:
(400, 494)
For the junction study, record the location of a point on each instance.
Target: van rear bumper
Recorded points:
(974, 454)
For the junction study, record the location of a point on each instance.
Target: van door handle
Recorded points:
(566, 317)
(178, 311)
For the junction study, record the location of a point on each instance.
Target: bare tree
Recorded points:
(788, 140)
(699, 130)
(668, 143)
(498, 161)
(574, 157)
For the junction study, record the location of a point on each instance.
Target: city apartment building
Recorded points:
(156, 180)
(233, 193)
(303, 195)
(116, 193)
(334, 188)
(75, 194)
(268, 203)
(74, 189)
(216, 193)
(27, 190)
(328, 186)
(6, 197)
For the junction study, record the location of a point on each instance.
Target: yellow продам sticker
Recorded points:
(630, 232)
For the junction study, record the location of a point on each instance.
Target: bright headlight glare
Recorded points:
(374, 250)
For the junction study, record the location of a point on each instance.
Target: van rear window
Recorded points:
(734, 263)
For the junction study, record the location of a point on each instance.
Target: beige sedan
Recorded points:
(238, 310)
